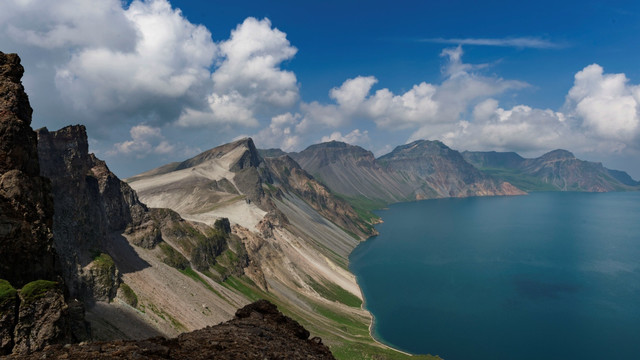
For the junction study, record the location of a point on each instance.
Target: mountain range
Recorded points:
(87, 256)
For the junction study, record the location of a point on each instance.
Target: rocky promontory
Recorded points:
(258, 331)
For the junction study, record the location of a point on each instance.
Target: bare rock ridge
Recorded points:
(38, 314)
(258, 331)
(557, 170)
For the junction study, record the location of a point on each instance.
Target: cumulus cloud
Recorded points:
(108, 65)
(280, 133)
(148, 141)
(354, 137)
(423, 105)
(601, 115)
(606, 103)
(170, 57)
(249, 80)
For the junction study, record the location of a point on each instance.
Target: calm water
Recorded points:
(543, 276)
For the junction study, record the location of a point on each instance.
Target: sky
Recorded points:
(156, 81)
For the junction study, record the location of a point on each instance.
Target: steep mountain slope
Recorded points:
(439, 171)
(420, 170)
(117, 253)
(555, 170)
(297, 235)
(353, 171)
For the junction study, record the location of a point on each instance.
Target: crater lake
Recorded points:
(544, 276)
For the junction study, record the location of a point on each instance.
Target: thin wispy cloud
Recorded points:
(519, 42)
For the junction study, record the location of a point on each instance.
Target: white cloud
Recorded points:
(147, 141)
(171, 56)
(249, 80)
(518, 42)
(280, 133)
(606, 103)
(354, 137)
(424, 104)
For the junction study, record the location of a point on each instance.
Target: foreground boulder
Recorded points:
(258, 331)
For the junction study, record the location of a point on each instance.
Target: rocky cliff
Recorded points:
(26, 206)
(33, 307)
(557, 170)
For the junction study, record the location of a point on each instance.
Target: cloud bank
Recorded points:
(145, 73)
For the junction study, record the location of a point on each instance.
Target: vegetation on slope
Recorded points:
(36, 289)
(7, 292)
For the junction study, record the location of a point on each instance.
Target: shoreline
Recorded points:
(373, 318)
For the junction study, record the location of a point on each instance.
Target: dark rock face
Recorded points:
(42, 321)
(259, 331)
(26, 214)
(26, 206)
(90, 204)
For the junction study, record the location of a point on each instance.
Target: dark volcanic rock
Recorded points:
(90, 204)
(27, 252)
(42, 320)
(26, 207)
(259, 331)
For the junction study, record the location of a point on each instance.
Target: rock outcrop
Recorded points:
(38, 314)
(258, 331)
(91, 203)
(26, 206)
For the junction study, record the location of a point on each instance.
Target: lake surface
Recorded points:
(543, 276)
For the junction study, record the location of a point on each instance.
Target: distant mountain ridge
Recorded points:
(420, 170)
(557, 170)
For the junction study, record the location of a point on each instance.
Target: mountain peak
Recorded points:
(418, 148)
(558, 154)
(248, 158)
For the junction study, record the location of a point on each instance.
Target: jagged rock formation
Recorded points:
(38, 314)
(258, 331)
(26, 206)
(97, 220)
(555, 170)
(90, 204)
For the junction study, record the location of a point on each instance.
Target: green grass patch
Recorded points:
(36, 289)
(235, 283)
(362, 351)
(333, 292)
(519, 180)
(7, 292)
(129, 296)
(194, 275)
(172, 257)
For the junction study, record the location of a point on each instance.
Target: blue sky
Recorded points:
(157, 81)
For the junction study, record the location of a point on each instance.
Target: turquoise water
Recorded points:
(543, 276)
